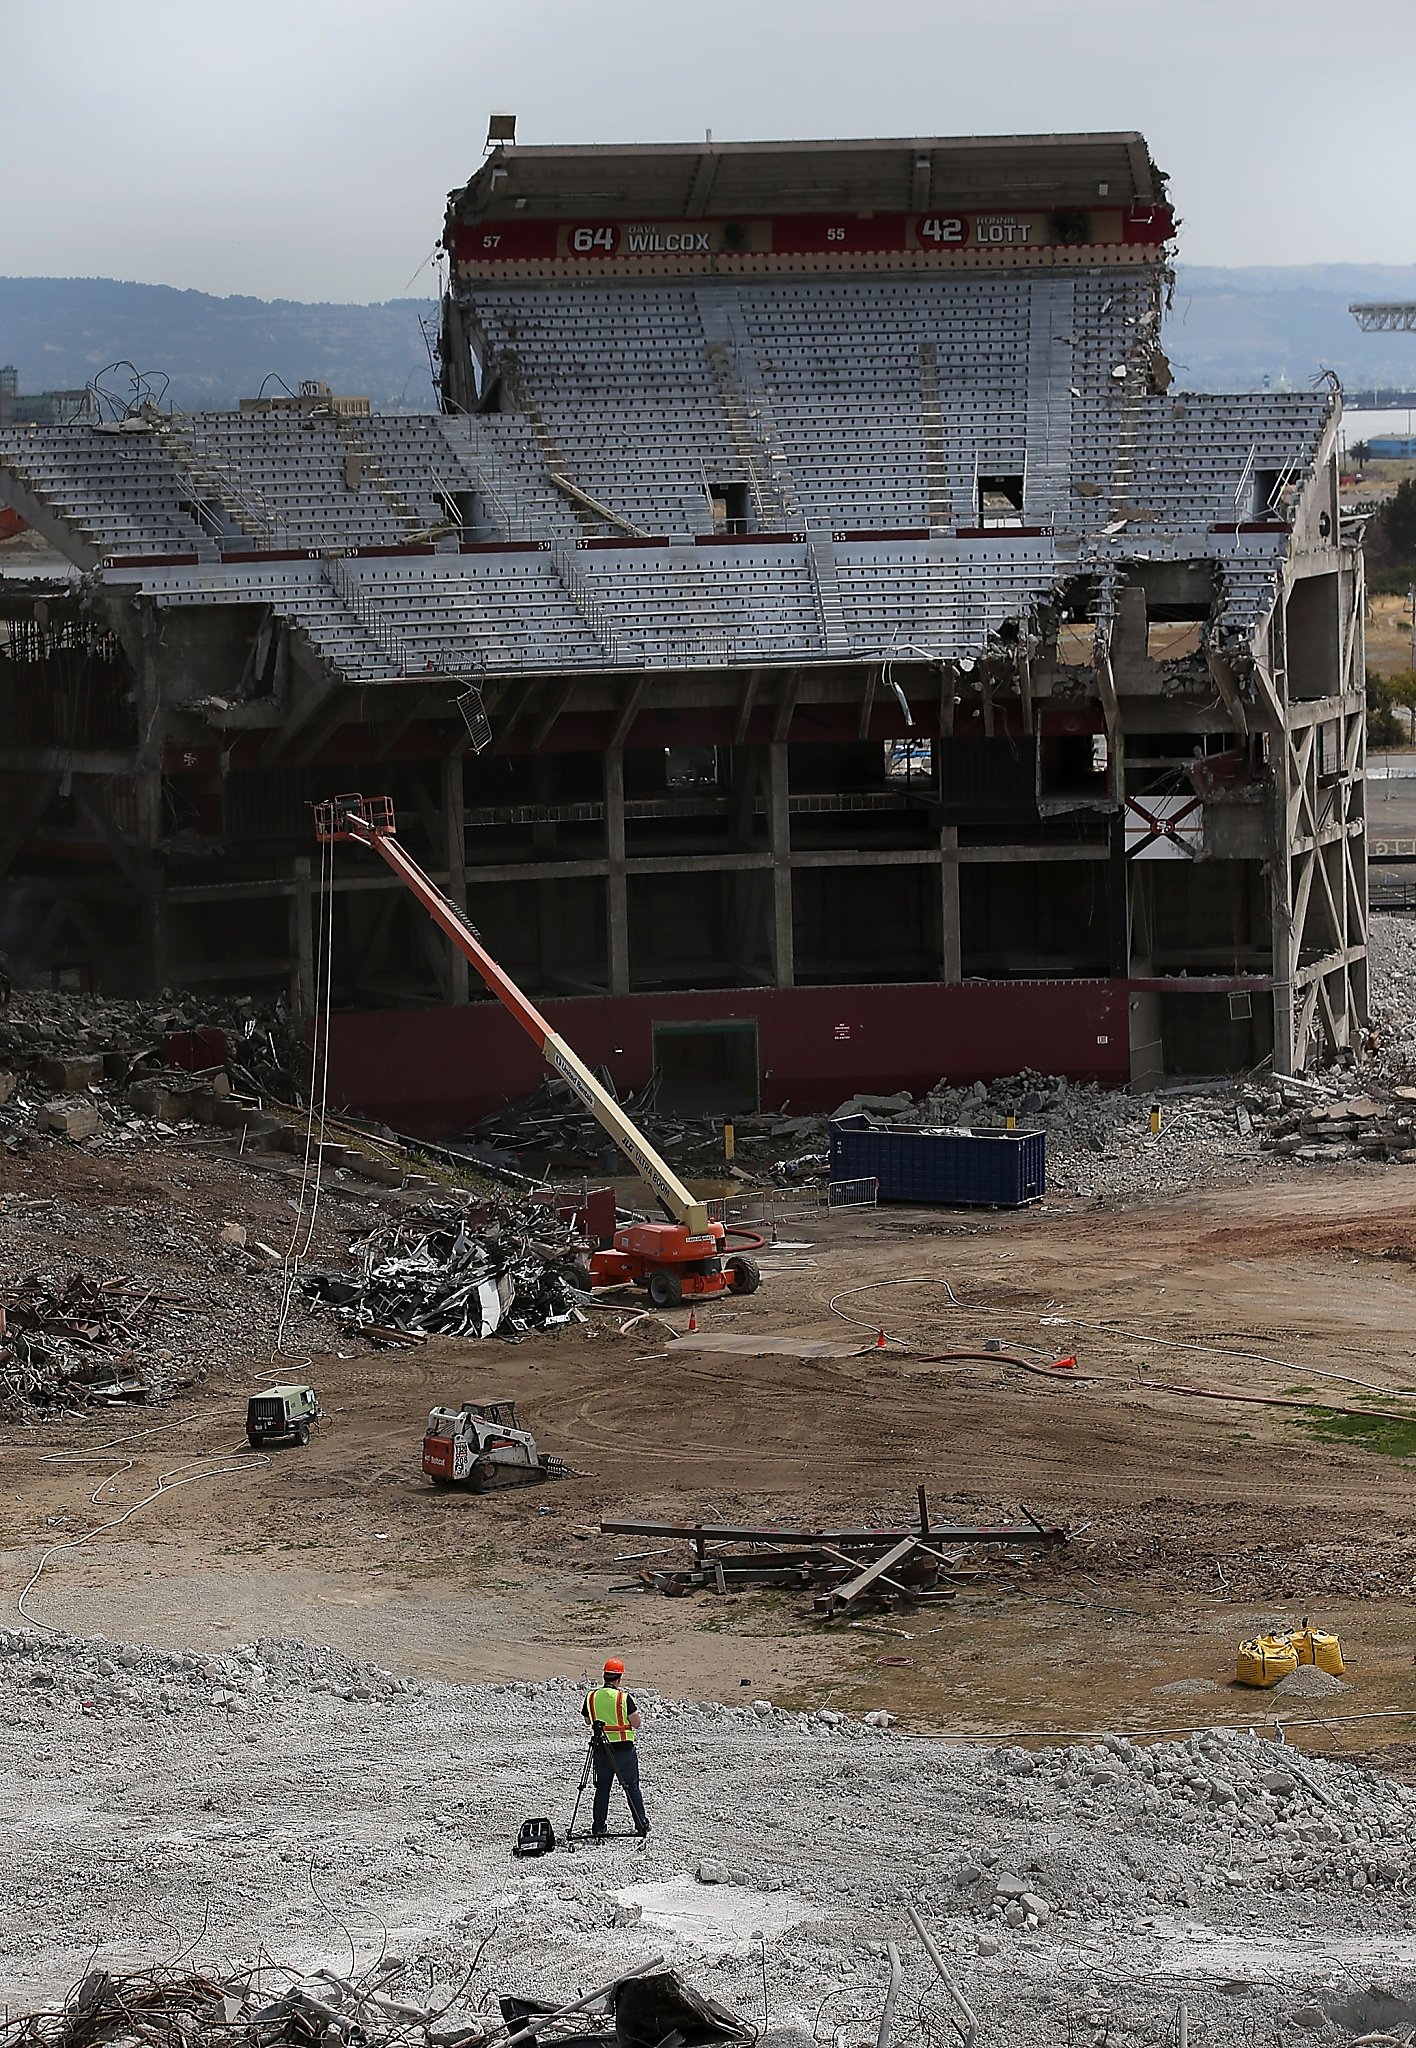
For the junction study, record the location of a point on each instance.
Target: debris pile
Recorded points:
(552, 1124)
(1271, 1890)
(100, 1072)
(444, 1273)
(1327, 1125)
(75, 1345)
(199, 2010)
(848, 1569)
(74, 1041)
(373, 2009)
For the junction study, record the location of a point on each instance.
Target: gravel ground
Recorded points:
(1391, 968)
(285, 1800)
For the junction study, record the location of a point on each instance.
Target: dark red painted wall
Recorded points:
(431, 1071)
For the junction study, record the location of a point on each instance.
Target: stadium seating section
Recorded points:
(682, 473)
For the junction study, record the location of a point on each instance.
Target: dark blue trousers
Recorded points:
(617, 1760)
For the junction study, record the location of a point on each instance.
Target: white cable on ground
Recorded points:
(166, 1483)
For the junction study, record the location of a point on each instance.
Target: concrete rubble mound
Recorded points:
(502, 1268)
(1078, 1893)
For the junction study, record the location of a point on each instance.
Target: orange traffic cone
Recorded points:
(693, 1319)
(880, 1341)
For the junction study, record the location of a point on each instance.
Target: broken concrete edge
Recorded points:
(260, 1129)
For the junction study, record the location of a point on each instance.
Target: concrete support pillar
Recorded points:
(951, 954)
(779, 834)
(454, 813)
(1281, 914)
(616, 882)
(302, 941)
(147, 800)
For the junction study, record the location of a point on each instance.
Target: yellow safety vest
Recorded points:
(609, 1712)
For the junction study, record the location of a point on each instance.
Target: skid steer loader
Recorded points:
(479, 1446)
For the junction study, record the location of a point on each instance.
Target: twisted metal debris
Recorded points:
(511, 1272)
(73, 1345)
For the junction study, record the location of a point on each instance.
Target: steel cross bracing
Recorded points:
(1398, 318)
(1319, 874)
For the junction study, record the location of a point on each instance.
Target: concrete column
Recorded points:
(1281, 908)
(951, 959)
(779, 834)
(147, 795)
(302, 941)
(616, 883)
(454, 811)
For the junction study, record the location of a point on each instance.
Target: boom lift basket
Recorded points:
(354, 817)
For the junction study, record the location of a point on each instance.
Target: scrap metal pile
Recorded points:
(73, 1346)
(370, 2010)
(506, 1268)
(847, 1569)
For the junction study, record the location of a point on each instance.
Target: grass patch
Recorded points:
(1299, 1390)
(1383, 1434)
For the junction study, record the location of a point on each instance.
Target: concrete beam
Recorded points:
(786, 707)
(1227, 684)
(559, 701)
(624, 722)
(749, 698)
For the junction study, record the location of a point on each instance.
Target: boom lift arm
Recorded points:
(674, 1259)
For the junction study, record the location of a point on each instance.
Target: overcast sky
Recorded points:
(303, 149)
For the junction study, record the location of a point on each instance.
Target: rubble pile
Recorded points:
(50, 1033)
(200, 2010)
(74, 1345)
(1077, 1892)
(374, 2009)
(552, 1124)
(100, 1071)
(1391, 967)
(504, 1268)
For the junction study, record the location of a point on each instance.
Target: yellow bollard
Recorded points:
(728, 1143)
(1011, 1121)
(1155, 1119)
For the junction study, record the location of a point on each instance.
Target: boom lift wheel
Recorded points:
(665, 1288)
(744, 1274)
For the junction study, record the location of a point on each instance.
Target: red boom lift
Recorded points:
(683, 1258)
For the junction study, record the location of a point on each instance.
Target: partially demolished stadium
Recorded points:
(817, 636)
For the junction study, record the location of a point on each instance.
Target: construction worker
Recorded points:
(614, 1720)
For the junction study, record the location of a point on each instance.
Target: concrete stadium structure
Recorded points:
(889, 673)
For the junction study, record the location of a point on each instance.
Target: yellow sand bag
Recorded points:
(1319, 1646)
(1265, 1659)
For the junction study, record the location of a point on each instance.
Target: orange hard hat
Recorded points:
(615, 1664)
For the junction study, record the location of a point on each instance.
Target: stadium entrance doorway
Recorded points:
(707, 1069)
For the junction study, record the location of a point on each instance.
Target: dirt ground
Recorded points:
(1388, 636)
(1197, 1519)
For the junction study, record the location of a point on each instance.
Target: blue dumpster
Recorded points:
(958, 1169)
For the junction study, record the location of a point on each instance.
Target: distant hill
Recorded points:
(60, 332)
(1234, 329)
(1227, 330)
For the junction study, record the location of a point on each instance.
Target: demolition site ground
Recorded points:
(1196, 1520)
(183, 1771)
